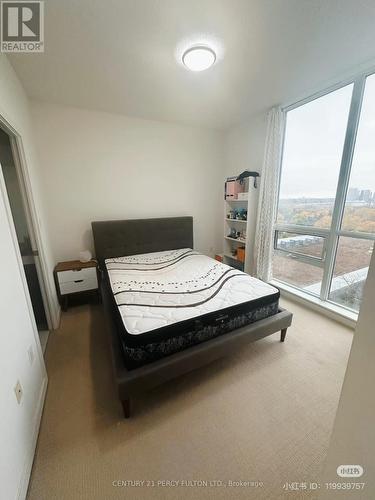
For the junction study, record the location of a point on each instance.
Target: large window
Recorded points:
(313, 145)
(325, 228)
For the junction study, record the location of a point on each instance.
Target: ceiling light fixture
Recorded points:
(199, 58)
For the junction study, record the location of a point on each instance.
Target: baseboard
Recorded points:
(315, 305)
(56, 317)
(24, 483)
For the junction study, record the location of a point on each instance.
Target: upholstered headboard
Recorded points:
(117, 238)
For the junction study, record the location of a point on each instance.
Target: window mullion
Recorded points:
(342, 185)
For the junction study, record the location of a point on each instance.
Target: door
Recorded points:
(24, 231)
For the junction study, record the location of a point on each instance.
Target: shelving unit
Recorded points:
(231, 245)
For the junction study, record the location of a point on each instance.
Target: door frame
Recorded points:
(32, 223)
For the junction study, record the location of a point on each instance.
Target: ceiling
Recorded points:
(123, 56)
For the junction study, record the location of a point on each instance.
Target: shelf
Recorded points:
(235, 220)
(237, 240)
(228, 256)
(236, 201)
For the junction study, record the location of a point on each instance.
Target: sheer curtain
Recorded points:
(268, 194)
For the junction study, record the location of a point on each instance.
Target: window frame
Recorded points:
(333, 234)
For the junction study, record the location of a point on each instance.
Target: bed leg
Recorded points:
(126, 407)
(283, 334)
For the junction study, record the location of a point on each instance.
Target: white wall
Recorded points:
(102, 166)
(14, 108)
(19, 423)
(353, 435)
(244, 150)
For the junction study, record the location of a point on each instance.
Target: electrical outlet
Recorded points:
(30, 352)
(18, 392)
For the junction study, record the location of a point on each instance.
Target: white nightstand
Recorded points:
(75, 277)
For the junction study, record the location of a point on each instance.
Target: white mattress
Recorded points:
(159, 289)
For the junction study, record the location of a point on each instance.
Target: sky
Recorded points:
(314, 141)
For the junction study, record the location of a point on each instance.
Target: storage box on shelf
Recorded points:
(235, 222)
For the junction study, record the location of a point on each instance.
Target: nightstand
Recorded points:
(75, 277)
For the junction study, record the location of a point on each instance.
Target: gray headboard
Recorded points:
(116, 238)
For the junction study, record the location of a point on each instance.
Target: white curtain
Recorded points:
(268, 193)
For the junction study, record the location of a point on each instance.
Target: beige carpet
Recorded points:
(263, 416)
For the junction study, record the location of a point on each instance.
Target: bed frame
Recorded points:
(130, 237)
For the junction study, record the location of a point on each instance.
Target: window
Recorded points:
(311, 246)
(301, 274)
(350, 271)
(313, 144)
(325, 227)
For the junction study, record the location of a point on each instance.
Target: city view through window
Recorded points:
(332, 262)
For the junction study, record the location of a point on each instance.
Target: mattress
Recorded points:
(168, 301)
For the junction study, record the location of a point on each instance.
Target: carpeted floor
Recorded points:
(263, 416)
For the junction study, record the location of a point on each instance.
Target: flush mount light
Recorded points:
(199, 58)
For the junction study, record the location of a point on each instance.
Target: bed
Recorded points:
(171, 309)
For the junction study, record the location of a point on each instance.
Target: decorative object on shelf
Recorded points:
(85, 256)
(241, 254)
(232, 188)
(242, 196)
(241, 214)
(247, 173)
(232, 233)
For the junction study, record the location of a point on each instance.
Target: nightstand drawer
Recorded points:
(88, 273)
(79, 285)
